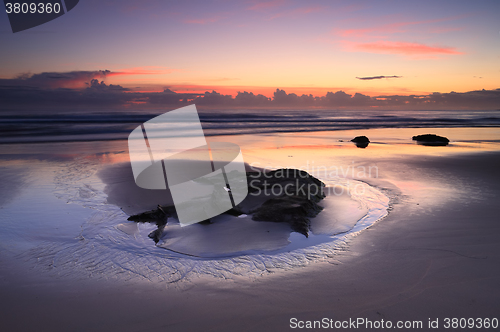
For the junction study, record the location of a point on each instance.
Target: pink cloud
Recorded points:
(404, 48)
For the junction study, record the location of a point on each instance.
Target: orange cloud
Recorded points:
(404, 48)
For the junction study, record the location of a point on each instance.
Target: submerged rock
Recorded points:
(361, 141)
(431, 140)
(284, 195)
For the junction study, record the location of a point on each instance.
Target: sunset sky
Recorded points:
(302, 47)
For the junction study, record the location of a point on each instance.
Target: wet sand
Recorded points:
(436, 255)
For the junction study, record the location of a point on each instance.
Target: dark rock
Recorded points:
(283, 195)
(286, 195)
(159, 217)
(362, 145)
(361, 141)
(294, 210)
(157, 233)
(293, 181)
(431, 140)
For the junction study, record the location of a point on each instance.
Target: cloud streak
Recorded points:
(376, 39)
(401, 48)
(377, 77)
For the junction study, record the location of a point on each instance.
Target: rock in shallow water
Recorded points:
(159, 216)
(284, 195)
(361, 141)
(431, 140)
(287, 195)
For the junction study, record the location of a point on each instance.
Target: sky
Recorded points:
(373, 48)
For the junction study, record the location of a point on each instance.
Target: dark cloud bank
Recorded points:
(43, 91)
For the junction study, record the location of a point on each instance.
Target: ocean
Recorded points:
(90, 125)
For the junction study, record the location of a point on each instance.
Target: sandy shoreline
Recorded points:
(430, 258)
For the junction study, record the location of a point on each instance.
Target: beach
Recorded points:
(432, 252)
(257, 165)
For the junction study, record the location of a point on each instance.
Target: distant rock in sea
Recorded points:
(361, 141)
(284, 195)
(431, 140)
